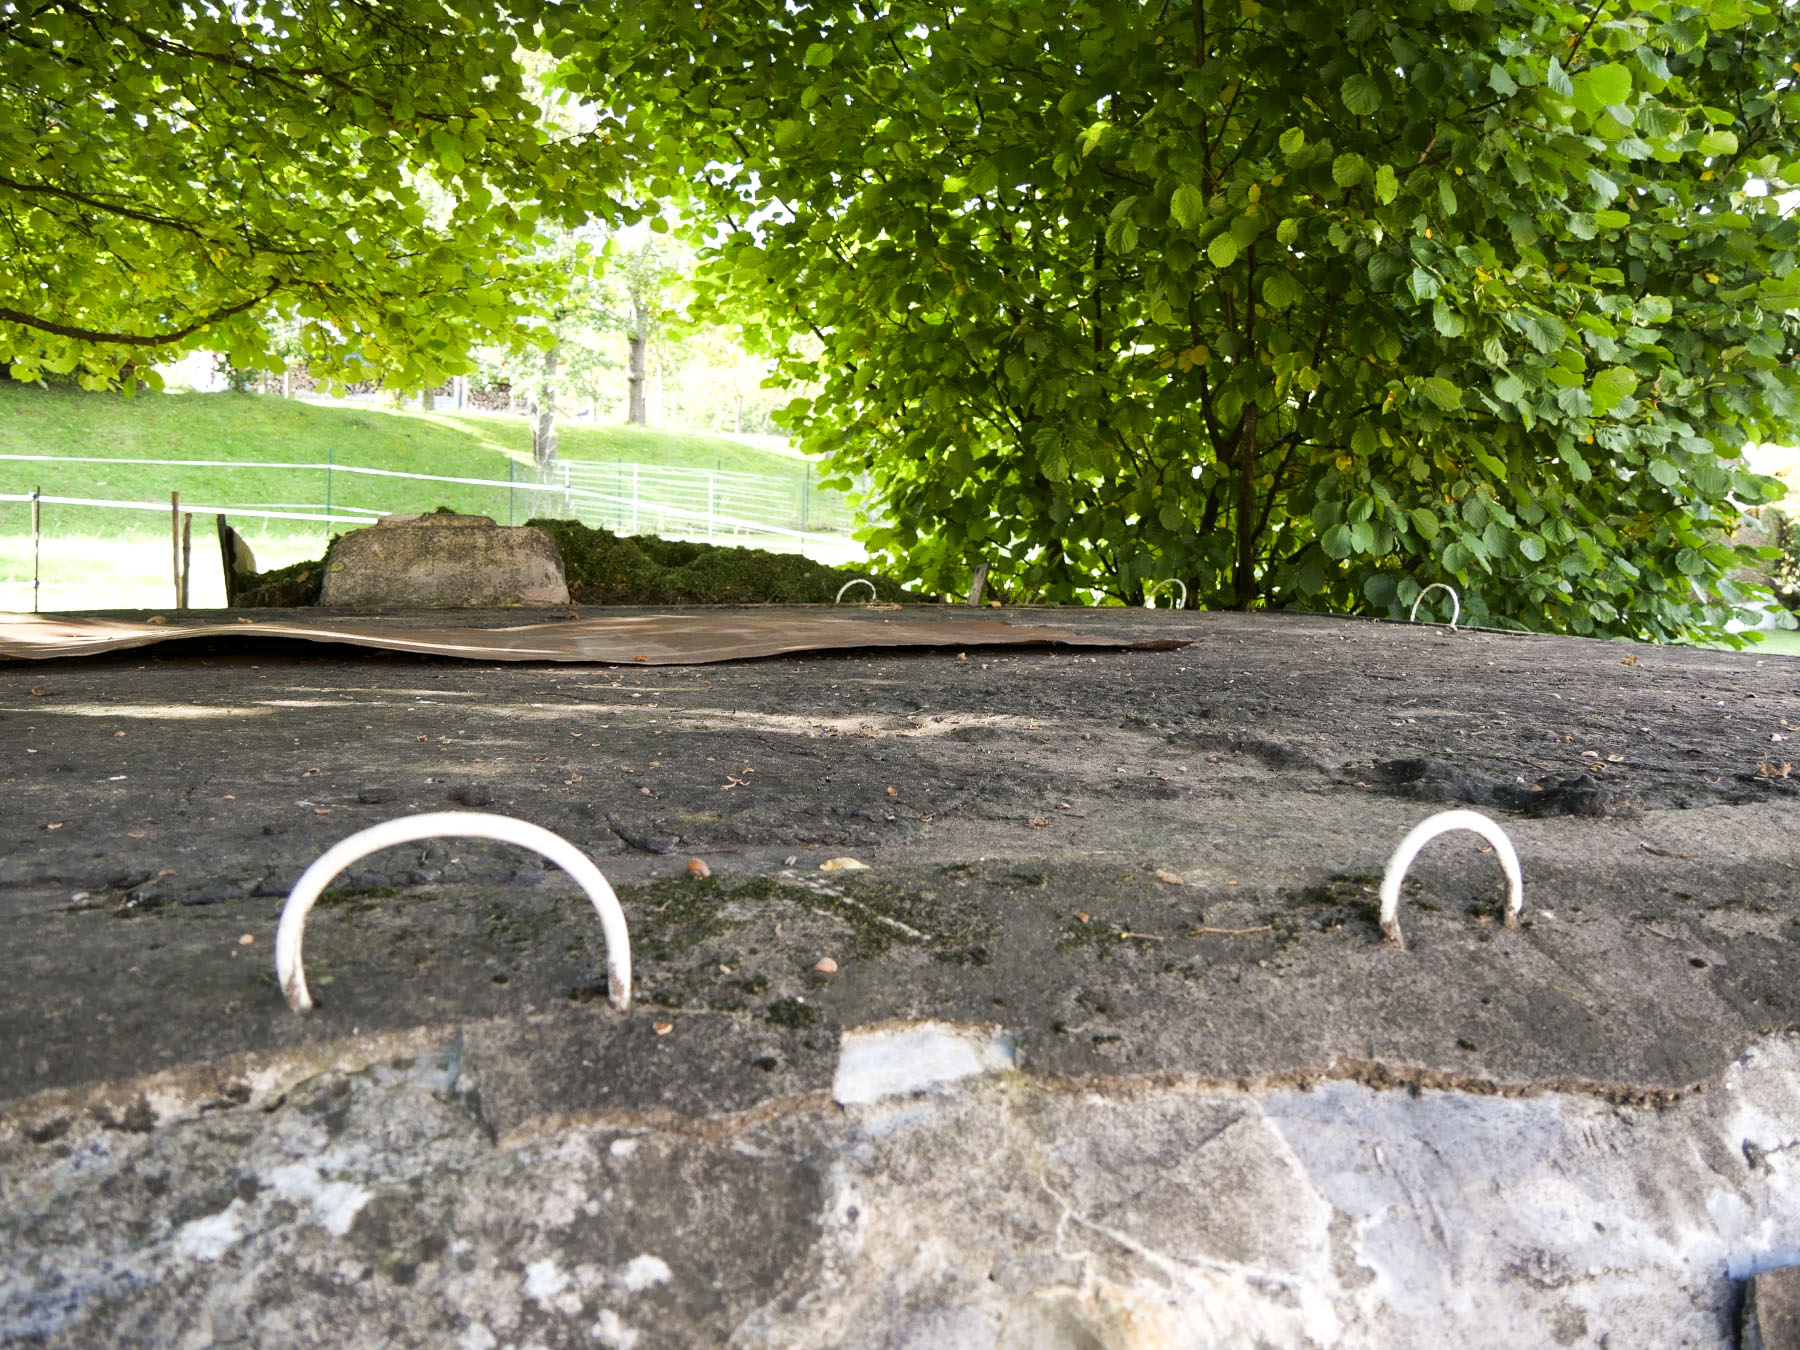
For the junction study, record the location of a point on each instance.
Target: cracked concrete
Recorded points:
(1112, 1054)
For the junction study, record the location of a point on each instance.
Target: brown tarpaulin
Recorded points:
(644, 639)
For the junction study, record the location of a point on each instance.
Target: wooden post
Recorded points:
(36, 516)
(175, 541)
(187, 555)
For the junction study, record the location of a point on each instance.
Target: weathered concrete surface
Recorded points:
(1113, 1056)
(444, 560)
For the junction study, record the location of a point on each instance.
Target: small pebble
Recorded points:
(372, 796)
(825, 966)
(698, 868)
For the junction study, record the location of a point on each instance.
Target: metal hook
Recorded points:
(874, 594)
(1455, 602)
(1423, 833)
(1150, 593)
(289, 973)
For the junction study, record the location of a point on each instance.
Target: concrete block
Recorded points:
(444, 561)
(1772, 1311)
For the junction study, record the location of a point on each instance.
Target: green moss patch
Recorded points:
(604, 568)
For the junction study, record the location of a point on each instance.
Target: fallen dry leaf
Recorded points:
(134, 834)
(1039, 823)
(697, 868)
(662, 1028)
(156, 618)
(166, 872)
(37, 693)
(1169, 878)
(1768, 770)
(643, 659)
(248, 940)
(892, 793)
(1083, 918)
(843, 865)
(54, 825)
(1628, 660)
(825, 966)
(424, 738)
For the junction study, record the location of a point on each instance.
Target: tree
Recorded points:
(173, 173)
(1306, 304)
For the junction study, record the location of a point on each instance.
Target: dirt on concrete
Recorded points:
(1143, 862)
(1101, 1046)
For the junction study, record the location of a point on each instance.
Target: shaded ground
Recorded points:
(1144, 880)
(1016, 808)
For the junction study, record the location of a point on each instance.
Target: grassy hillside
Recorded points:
(250, 429)
(98, 556)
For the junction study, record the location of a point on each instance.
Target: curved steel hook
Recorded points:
(1455, 602)
(290, 975)
(1423, 833)
(874, 594)
(1150, 592)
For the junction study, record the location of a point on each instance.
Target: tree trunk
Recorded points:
(1243, 572)
(428, 400)
(543, 416)
(636, 379)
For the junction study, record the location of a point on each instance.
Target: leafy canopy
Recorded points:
(172, 172)
(1306, 304)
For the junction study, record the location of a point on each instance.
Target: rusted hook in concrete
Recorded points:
(1427, 830)
(1455, 602)
(874, 595)
(290, 975)
(1150, 592)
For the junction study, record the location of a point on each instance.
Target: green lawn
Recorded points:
(99, 557)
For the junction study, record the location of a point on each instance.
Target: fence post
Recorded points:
(175, 541)
(36, 515)
(511, 464)
(568, 495)
(328, 493)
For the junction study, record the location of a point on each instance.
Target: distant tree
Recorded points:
(1307, 304)
(172, 172)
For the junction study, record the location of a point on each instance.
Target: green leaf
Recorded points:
(1387, 186)
(1500, 82)
(1556, 79)
(1424, 523)
(1361, 94)
(1610, 386)
(1188, 206)
(1424, 285)
(1281, 290)
(1223, 250)
(1690, 562)
(1600, 85)
(1291, 141)
(1665, 472)
(819, 54)
(1718, 143)
(1441, 393)
(1336, 541)
(1446, 320)
(1349, 170)
(1532, 548)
